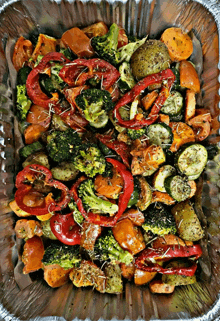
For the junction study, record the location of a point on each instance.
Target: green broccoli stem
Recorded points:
(118, 254)
(100, 205)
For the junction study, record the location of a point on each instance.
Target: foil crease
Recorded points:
(29, 298)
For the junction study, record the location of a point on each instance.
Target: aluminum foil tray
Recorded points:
(25, 298)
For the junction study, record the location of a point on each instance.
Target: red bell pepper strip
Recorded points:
(137, 123)
(23, 183)
(121, 148)
(34, 91)
(80, 70)
(65, 229)
(124, 197)
(71, 116)
(168, 252)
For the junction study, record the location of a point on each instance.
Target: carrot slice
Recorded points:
(127, 271)
(38, 115)
(95, 30)
(143, 277)
(178, 43)
(162, 197)
(182, 134)
(193, 186)
(162, 118)
(45, 44)
(189, 77)
(55, 275)
(33, 255)
(122, 38)
(44, 217)
(128, 236)
(190, 104)
(32, 133)
(78, 42)
(109, 187)
(148, 100)
(201, 125)
(22, 52)
(157, 286)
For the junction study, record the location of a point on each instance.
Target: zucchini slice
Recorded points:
(173, 105)
(191, 160)
(177, 187)
(160, 134)
(160, 176)
(145, 196)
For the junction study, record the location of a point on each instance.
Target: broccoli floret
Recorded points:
(61, 145)
(127, 51)
(89, 160)
(78, 217)
(54, 82)
(68, 53)
(92, 202)
(126, 81)
(159, 221)
(64, 255)
(23, 74)
(23, 102)
(95, 104)
(108, 249)
(136, 133)
(106, 46)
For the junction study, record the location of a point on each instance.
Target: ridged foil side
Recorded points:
(26, 298)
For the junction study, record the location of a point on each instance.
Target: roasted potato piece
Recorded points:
(37, 158)
(113, 279)
(187, 222)
(88, 274)
(26, 229)
(66, 171)
(150, 58)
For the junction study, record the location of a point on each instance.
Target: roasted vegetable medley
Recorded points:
(114, 145)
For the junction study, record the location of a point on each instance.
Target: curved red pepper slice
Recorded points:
(168, 252)
(137, 123)
(80, 70)
(71, 116)
(122, 202)
(121, 148)
(65, 229)
(23, 184)
(34, 91)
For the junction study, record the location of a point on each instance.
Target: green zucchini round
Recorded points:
(160, 176)
(173, 105)
(160, 134)
(177, 187)
(191, 160)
